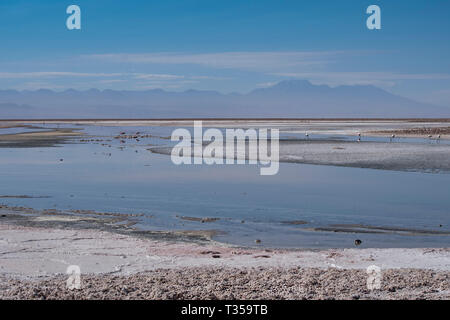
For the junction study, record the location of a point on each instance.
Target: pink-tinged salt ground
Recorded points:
(34, 262)
(34, 252)
(113, 266)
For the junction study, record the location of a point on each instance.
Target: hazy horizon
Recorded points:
(228, 47)
(289, 98)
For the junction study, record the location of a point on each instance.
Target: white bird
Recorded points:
(392, 137)
(307, 135)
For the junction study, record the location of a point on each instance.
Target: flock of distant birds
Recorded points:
(392, 137)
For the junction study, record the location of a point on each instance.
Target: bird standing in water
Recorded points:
(392, 137)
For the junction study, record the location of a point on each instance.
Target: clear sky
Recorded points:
(226, 45)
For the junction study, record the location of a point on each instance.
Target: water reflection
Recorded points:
(111, 176)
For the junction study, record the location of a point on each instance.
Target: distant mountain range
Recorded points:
(292, 98)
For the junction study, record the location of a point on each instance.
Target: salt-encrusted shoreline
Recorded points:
(34, 262)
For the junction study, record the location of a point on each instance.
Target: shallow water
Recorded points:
(116, 178)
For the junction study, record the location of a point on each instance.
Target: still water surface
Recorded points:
(108, 178)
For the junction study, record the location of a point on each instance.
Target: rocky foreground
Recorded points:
(255, 283)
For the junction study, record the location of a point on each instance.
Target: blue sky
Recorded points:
(226, 45)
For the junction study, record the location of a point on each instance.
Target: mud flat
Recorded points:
(428, 155)
(34, 139)
(313, 126)
(197, 219)
(359, 228)
(429, 132)
(375, 155)
(396, 156)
